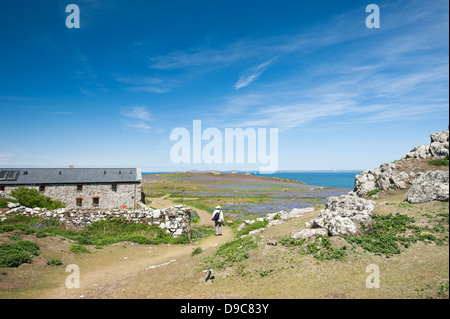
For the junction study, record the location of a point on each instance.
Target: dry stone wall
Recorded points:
(175, 220)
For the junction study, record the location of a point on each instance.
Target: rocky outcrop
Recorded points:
(384, 177)
(175, 220)
(438, 148)
(429, 186)
(388, 176)
(342, 216)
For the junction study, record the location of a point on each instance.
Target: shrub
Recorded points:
(196, 251)
(32, 198)
(13, 255)
(373, 192)
(55, 262)
(15, 237)
(79, 249)
(232, 252)
(439, 162)
(388, 234)
(320, 247)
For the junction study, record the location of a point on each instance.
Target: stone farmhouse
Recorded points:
(79, 188)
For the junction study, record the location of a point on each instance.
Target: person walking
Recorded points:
(218, 220)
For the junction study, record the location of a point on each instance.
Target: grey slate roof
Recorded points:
(28, 176)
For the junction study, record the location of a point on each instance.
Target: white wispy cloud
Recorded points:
(137, 112)
(137, 118)
(401, 76)
(252, 74)
(136, 83)
(141, 126)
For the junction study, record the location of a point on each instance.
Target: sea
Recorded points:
(322, 178)
(335, 179)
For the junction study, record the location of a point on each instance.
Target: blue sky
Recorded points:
(109, 93)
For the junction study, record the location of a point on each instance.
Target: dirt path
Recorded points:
(113, 269)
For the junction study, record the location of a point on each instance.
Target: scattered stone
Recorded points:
(13, 205)
(272, 242)
(161, 265)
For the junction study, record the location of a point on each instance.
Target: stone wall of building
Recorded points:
(125, 194)
(175, 220)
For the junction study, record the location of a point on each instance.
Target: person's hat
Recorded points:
(218, 206)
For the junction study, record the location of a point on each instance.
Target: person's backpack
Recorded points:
(216, 215)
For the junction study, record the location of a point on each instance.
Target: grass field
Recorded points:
(240, 196)
(410, 250)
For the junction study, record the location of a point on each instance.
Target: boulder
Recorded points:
(342, 216)
(12, 205)
(382, 178)
(429, 186)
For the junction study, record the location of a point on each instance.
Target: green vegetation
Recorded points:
(196, 251)
(388, 234)
(55, 262)
(373, 192)
(195, 218)
(443, 290)
(320, 247)
(439, 162)
(100, 233)
(14, 237)
(231, 253)
(4, 202)
(32, 198)
(13, 255)
(79, 249)
(250, 227)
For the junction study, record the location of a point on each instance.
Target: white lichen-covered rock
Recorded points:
(429, 186)
(422, 151)
(13, 205)
(342, 216)
(438, 148)
(382, 178)
(306, 233)
(386, 176)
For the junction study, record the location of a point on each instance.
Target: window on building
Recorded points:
(95, 201)
(79, 187)
(114, 187)
(9, 175)
(79, 201)
(42, 188)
